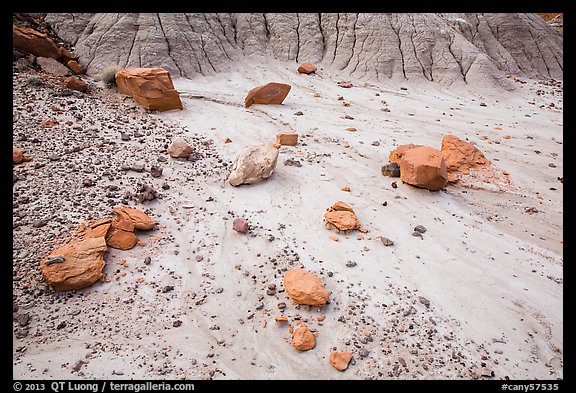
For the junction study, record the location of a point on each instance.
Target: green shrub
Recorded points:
(108, 74)
(34, 80)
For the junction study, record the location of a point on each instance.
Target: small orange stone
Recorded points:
(363, 230)
(352, 129)
(335, 238)
(346, 188)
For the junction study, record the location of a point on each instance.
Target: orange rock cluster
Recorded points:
(430, 168)
(79, 263)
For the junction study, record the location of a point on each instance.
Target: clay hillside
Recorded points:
(287, 196)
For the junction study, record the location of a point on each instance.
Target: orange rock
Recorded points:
(396, 155)
(75, 67)
(121, 234)
(18, 156)
(461, 156)
(342, 220)
(76, 265)
(304, 287)
(346, 189)
(306, 68)
(227, 140)
(76, 84)
(352, 129)
(341, 206)
(152, 88)
(270, 93)
(424, 167)
(281, 318)
(139, 219)
(65, 54)
(33, 42)
(334, 238)
(340, 360)
(50, 122)
(98, 228)
(303, 339)
(287, 139)
(341, 216)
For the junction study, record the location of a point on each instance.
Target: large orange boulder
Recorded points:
(304, 287)
(461, 156)
(342, 217)
(33, 42)
(396, 154)
(75, 265)
(340, 360)
(152, 88)
(302, 338)
(424, 167)
(270, 93)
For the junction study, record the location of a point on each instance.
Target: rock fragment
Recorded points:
(342, 217)
(302, 338)
(340, 360)
(240, 225)
(306, 68)
(304, 287)
(270, 93)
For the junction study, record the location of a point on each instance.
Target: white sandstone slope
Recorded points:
(470, 49)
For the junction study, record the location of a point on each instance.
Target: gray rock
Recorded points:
(420, 228)
(387, 242)
(53, 66)
(392, 170)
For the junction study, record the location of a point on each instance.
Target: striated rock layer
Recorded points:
(461, 48)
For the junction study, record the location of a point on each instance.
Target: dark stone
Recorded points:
(392, 170)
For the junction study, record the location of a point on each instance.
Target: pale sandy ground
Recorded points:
(492, 272)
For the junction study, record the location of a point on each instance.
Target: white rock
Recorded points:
(253, 164)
